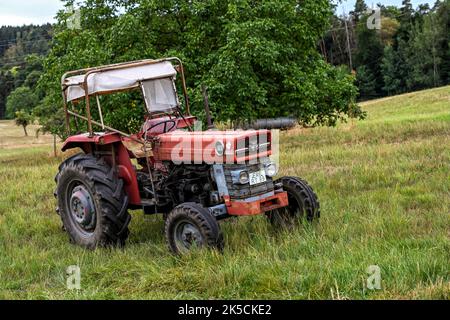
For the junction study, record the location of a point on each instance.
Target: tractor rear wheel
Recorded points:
(91, 202)
(303, 203)
(191, 225)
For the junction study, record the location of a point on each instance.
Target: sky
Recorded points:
(19, 12)
(349, 5)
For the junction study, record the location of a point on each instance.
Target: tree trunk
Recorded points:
(25, 130)
(54, 146)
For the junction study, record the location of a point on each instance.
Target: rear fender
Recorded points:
(86, 142)
(109, 144)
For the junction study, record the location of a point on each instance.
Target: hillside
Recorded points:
(384, 187)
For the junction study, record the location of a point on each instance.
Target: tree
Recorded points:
(406, 20)
(389, 11)
(368, 59)
(359, 11)
(23, 118)
(32, 79)
(425, 57)
(20, 58)
(6, 81)
(389, 30)
(23, 98)
(407, 9)
(258, 58)
(367, 83)
(443, 21)
(410, 52)
(390, 71)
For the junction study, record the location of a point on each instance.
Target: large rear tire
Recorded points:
(91, 202)
(303, 203)
(191, 225)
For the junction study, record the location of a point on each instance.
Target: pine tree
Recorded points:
(443, 21)
(390, 72)
(368, 60)
(367, 83)
(359, 11)
(406, 20)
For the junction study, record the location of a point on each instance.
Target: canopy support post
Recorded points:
(88, 107)
(100, 111)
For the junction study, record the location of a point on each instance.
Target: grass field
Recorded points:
(384, 186)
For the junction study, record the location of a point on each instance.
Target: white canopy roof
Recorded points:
(118, 79)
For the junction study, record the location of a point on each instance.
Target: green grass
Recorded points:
(384, 186)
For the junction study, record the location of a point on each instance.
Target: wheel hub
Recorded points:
(189, 234)
(82, 207)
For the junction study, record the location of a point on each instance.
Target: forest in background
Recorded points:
(271, 70)
(22, 51)
(410, 51)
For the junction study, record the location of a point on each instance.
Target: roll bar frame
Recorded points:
(88, 71)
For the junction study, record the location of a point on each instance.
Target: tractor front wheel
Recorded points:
(303, 203)
(92, 203)
(191, 225)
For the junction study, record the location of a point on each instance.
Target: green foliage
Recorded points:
(6, 81)
(390, 70)
(368, 59)
(21, 51)
(18, 42)
(366, 81)
(443, 21)
(23, 98)
(411, 51)
(23, 118)
(258, 58)
(50, 117)
(360, 10)
(126, 111)
(424, 57)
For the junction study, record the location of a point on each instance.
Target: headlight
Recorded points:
(271, 169)
(243, 177)
(219, 148)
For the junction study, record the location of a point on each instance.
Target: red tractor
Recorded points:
(194, 178)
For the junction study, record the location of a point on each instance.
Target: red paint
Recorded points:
(106, 142)
(199, 146)
(127, 173)
(192, 147)
(241, 208)
(82, 140)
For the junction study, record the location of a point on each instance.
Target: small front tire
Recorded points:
(191, 225)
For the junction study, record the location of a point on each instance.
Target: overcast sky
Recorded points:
(349, 5)
(19, 12)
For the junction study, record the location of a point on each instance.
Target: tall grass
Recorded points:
(384, 187)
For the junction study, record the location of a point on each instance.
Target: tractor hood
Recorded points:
(212, 147)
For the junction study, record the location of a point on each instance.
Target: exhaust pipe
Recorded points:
(283, 123)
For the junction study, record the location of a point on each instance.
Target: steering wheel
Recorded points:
(166, 125)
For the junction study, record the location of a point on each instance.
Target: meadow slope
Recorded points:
(384, 187)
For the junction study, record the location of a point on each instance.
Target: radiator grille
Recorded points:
(240, 191)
